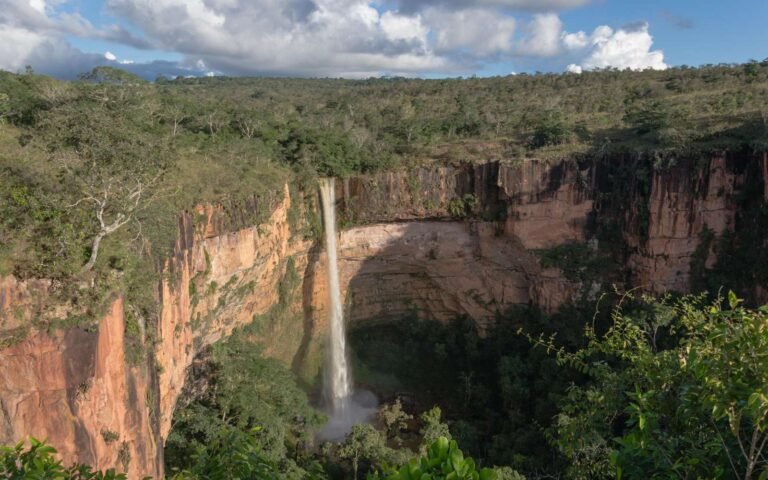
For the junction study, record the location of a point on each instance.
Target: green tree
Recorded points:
(550, 129)
(230, 454)
(432, 428)
(394, 418)
(363, 443)
(647, 117)
(247, 394)
(442, 461)
(111, 75)
(105, 162)
(38, 461)
(683, 384)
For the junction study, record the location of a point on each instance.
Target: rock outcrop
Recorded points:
(220, 280)
(437, 242)
(75, 389)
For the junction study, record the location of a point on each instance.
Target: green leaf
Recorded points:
(487, 474)
(733, 300)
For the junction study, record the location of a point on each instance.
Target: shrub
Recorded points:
(550, 129)
(39, 461)
(443, 461)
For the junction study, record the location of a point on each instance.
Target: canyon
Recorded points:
(434, 241)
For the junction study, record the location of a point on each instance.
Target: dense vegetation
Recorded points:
(649, 389)
(657, 389)
(38, 461)
(94, 173)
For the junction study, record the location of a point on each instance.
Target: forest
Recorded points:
(95, 172)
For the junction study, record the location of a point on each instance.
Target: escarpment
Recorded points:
(434, 242)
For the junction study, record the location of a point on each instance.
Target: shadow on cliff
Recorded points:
(300, 359)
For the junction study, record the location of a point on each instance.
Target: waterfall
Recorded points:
(338, 387)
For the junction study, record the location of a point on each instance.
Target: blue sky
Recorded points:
(360, 38)
(726, 32)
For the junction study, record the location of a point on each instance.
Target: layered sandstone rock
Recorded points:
(437, 270)
(75, 389)
(218, 281)
(683, 202)
(407, 253)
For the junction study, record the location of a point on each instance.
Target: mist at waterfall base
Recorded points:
(347, 407)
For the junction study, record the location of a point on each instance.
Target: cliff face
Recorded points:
(218, 281)
(683, 202)
(439, 270)
(450, 265)
(75, 389)
(436, 242)
(539, 204)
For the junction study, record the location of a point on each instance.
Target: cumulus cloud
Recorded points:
(322, 37)
(349, 38)
(481, 32)
(531, 5)
(543, 36)
(626, 48)
(16, 46)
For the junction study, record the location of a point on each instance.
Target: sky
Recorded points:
(361, 38)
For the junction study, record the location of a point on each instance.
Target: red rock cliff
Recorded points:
(441, 242)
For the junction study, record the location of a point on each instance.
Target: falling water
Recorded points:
(338, 388)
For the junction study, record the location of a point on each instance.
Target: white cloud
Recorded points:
(573, 68)
(16, 44)
(347, 38)
(320, 37)
(482, 32)
(38, 5)
(400, 27)
(543, 36)
(533, 5)
(625, 48)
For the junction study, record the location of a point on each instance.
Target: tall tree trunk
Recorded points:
(94, 251)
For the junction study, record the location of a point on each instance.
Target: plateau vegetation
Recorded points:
(95, 173)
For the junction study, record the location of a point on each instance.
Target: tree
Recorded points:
(679, 390)
(432, 427)
(109, 166)
(647, 117)
(363, 443)
(5, 106)
(442, 461)
(115, 204)
(394, 418)
(550, 129)
(248, 394)
(111, 75)
(38, 461)
(230, 454)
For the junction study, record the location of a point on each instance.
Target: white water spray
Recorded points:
(338, 388)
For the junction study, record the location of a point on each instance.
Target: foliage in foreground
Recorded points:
(250, 401)
(38, 461)
(231, 454)
(674, 389)
(497, 392)
(679, 390)
(443, 461)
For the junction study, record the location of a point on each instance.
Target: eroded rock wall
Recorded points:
(438, 242)
(218, 281)
(439, 270)
(75, 389)
(683, 201)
